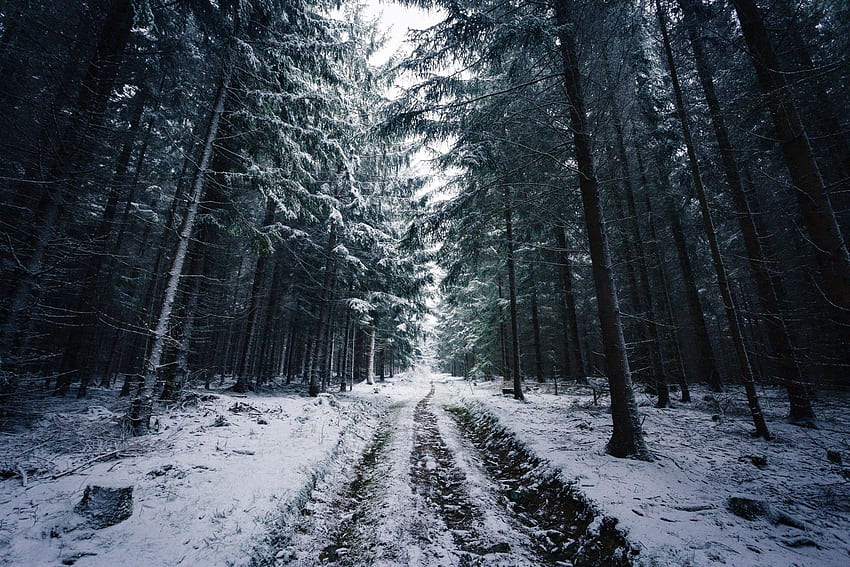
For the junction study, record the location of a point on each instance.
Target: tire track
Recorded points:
(436, 477)
(447, 489)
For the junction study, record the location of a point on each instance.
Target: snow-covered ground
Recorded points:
(675, 509)
(384, 476)
(205, 483)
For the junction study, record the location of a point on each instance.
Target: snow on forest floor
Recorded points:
(393, 474)
(674, 509)
(206, 484)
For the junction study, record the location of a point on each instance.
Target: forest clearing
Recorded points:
(425, 282)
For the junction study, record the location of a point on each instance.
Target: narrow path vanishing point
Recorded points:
(419, 496)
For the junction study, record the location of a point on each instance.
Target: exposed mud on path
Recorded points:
(472, 522)
(567, 529)
(426, 492)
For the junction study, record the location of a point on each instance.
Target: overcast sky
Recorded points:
(398, 20)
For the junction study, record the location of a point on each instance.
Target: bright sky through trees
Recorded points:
(398, 20)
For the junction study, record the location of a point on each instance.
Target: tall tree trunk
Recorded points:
(707, 369)
(574, 362)
(243, 382)
(81, 335)
(789, 371)
(142, 406)
(708, 225)
(818, 216)
(538, 346)
(346, 353)
(324, 315)
(661, 279)
(89, 114)
(627, 437)
(177, 379)
(503, 336)
(370, 356)
(272, 330)
(291, 347)
(650, 326)
(509, 235)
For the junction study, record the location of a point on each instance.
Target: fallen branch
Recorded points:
(695, 507)
(90, 462)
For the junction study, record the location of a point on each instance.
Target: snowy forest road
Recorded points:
(420, 495)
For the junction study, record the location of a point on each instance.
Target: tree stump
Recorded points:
(104, 506)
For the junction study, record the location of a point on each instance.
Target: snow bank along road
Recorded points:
(440, 487)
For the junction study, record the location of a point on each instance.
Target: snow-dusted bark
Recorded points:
(142, 406)
(370, 357)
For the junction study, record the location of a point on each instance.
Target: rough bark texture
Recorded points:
(142, 406)
(744, 365)
(627, 437)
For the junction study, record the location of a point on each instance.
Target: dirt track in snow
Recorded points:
(423, 495)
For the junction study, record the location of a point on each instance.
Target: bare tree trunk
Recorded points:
(829, 247)
(798, 393)
(661, 279)
(353, 355)
(174, 385)
(318, 357)
(644, 297)
(538, 346)
(291, 347)
(708, 225)
(707, 366)
(81, 335)
(574, 362)
(517, 376)
(243, 382)
(627, 437)
(370, 357)
(346, 352)
(503, 340)
(142, 406)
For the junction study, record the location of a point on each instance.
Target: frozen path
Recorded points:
(418, 496)
(423, 495)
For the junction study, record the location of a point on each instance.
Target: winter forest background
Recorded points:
(641, 197)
